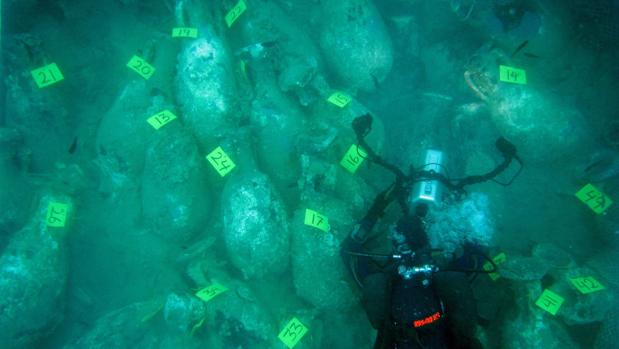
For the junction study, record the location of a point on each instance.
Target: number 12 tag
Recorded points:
(292, 333)
(316, 220)
(47, 75)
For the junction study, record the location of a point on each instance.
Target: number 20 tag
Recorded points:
(141, 67)
(292, 333)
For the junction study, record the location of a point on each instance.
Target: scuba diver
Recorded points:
(399, 292)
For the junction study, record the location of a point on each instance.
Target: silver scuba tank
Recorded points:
(429, 191)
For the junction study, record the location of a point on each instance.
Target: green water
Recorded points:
(155, 180)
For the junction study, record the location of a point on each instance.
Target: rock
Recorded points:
(122, 138)
(175, 195)
(181, 313)
(355, 43)
(468, 221)
(551, 255)
(318, 272)
(33, 278)
(128, 327)
(15, 193)
(578, 308)
(277, 124)
(256, 231)
(40, 115)
(533, 327)
(205, 86)
(235, 321)
(541, 126)
(523, 268)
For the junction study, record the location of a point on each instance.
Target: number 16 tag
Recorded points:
(292, 333)
(353, 158)
(316, 220)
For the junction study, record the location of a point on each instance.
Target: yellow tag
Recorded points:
(595, 199)
(292, 333)
(47, 75)
(235, 13)
(208, 293)
(220, 161)
(353, 158)
(183, 32)
(549, 301)
(587, 284)
(158, 120)
(513, 75)
(316, 220)
(498, 259)
(56, 214)
(141, 67)
(340, 99)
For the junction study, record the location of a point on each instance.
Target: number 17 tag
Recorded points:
(316, 220)
(292, 333)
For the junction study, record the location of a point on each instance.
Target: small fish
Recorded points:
(255, 51)
(531, 55)
(520, 47)
(73, 146)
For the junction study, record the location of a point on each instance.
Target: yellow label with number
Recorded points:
(235, 13)
(595, 199)
(220, 161)
(184, 32)
(498, 259)
(549, 301)
(159, 120)
(587, 284)
(56, 214)
(47, 75)
(210, 292)
(512, 75)
(316, 220)
(141, 67)
(353, 158)
(292, 332)
(340, 99)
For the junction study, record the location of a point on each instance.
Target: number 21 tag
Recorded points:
(47, 75)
